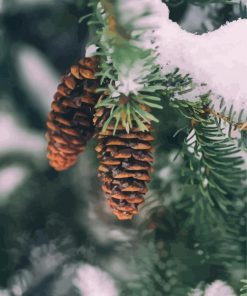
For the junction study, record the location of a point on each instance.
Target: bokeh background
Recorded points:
(57, 237)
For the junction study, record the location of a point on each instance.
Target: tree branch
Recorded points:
(242, 126)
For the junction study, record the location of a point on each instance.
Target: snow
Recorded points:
(44, 261)
(4, 293)
(92, 281)
(131, 79)
(37, 75)
(15, 137)
(10, 178)
(219, 288)
(216, 58)
(91, 50)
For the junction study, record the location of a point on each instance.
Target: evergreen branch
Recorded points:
(243, 290)
(214, 175)
(210, 155)
(211, 233)
(156, 271)
(242, 126)
(113, 24)
(119, 56)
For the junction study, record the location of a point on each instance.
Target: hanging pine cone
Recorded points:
(70, 123)
(125, 165)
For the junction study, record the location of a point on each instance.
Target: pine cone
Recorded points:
(70, 123)
(125, 165)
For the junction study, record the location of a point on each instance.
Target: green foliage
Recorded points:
(157, 273)
(119, 56)
(243, 140)
(243, 290)
(213, 172)
(202, 230)
(187, 236)
(210, 155)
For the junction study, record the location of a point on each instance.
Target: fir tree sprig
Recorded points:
(120, 54)
(243, 290)
(210, 155)
(129, 78)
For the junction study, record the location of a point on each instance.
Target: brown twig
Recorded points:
(112, 22)
(242, 126)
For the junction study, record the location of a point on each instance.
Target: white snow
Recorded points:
(44, 260)
(92, 281)
(91, 50)
(216, 58)
(37, 75)
(219, 288)
(131, 79)
(4, 293)
(15, 137)
(10, 178)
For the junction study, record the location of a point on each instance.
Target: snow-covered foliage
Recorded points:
(92, 281)
(91, 50)
(10, 178)
(130, 80)
(15, 137)
(217, 288)
(37, 75)
(217, 59)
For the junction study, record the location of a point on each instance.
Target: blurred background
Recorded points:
(57, 236)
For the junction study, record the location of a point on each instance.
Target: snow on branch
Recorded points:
(217, 59)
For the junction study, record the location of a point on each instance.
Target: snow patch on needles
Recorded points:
(219, 288)
(131, 80)
(91, 50)
(135, 63)
(92, 281)
(216, 58)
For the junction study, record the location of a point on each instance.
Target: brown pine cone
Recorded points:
(70, 123)
(125, 165)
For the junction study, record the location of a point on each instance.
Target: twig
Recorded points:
(242, 126)
(112, 21)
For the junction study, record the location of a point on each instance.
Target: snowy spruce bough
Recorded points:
(150, 59)
(154, 62)
(147, 63)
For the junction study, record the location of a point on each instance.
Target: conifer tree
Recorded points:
(143, 188)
